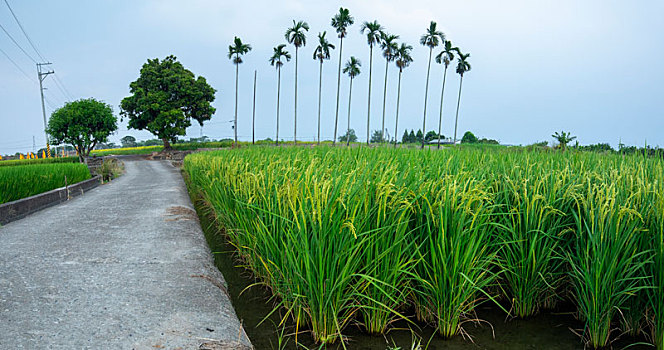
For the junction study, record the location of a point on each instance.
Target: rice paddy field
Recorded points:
(149, 149)
(374, 237)
(21, 181)
(38, 161)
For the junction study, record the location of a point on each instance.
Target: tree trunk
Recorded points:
(456, 122)
(440, 119)
(426, 95)
(81, 157)
(237, 73)
(336, 117)
(320, 89)
(396, 123)
(278, 92)
(382, 128)
(369, 98)
(350, 94)
(167, 144)
(253, 117)
(295, 127)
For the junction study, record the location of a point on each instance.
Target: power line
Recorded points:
(59, 84)
(16, 43)
(17, 66)
(24, 32)
(62, 88)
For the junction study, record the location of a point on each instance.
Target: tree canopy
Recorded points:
(83, 123)
(348, 136)
(165, 97)
(469, 137)
(128, 141)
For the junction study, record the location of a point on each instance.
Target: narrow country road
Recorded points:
(124, 266)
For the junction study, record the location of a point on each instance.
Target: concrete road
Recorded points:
(124, 266)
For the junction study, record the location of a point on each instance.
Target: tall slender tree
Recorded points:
(236, 50)
(373, 32)
(321, 53)
(352, 68)
(462, 67)
(276, 60)
(341, 21)
(388, 43)
(445, 57)
(403, 60)
(431, 39)
(295, 35)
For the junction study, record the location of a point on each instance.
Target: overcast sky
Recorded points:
(589, 67)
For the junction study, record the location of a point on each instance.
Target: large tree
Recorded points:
(403, 60)
(321, 53)
(444, 57)
(352, 68)
(462, 67)
(295, 35)
(341, 21)
(276, 60)
(83, 124)
(234, 52)
(373, 31)
(388, 43)
(165, 98)
(128, 141)
(430, 39)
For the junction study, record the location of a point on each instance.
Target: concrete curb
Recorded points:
(21, 208)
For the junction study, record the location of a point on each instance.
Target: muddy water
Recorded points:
(551, 331)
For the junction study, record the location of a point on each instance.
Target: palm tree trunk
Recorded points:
(396, 123)
(295, 127)
(369, 98)
(320, 87)
(440, 119)
(382, 128)
(350, 94)
(336, 117)
(253, 117)
(278, 93)
(237, 73)
(456, 122)
(426, 94)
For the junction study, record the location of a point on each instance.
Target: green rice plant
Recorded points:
(655, 295)
(358, 235)
(607, 261)
(13, 162)
(23, 181)
(298, 235)
(390, 257)
(529, 227)
(457, 254)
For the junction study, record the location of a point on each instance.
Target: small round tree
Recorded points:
(469, 137)
(83, 123)
(165, 97)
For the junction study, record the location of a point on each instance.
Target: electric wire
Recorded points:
(17, 44)
(24, 32)
(17, 66)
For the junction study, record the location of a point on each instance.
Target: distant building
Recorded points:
(444, 141)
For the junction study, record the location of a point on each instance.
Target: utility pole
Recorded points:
(253, 118)
(42, 75)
